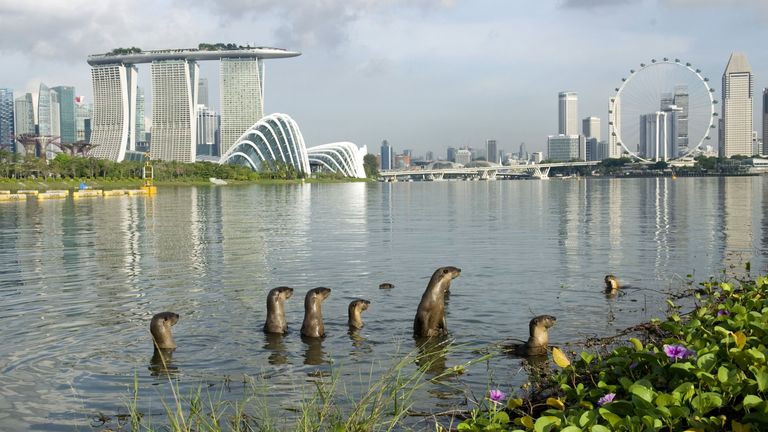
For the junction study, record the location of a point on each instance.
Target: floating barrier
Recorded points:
(53, 194)
(151, 190)
(114, 192)
(28, 191)
(5, 192)
(137, 192)
(13, 197)
(87, 193)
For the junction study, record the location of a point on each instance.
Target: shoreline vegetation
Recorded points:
(704, 369)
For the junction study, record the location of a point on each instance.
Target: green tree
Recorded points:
(371, 165)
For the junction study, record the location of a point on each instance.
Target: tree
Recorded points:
(371, 165)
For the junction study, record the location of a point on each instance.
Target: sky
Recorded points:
(422, 74)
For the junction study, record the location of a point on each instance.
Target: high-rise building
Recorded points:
(590, 127)
(568, 113)
(55, 115)
(6, 119)
(463, 156)
(491, 151)
(680, 100)
(450, 154)
(82, 119)
(174, 86)
(387, 157)
(114, 110)
(429, 156)
(615, 150)
(141, 129)
(565, 148)
(522, 154)
(24, 115)
(44, 125)
(202, 92)
(207, 131)
(764, 150)
(242, 92)
(66, 97)
(737, 107)
(658, 134)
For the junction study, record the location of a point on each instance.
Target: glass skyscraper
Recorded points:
(66, 97)
(386, 155)
(174, 87)
(6, 119)
(242, 91)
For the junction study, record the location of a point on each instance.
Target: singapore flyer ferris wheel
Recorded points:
(664, 110)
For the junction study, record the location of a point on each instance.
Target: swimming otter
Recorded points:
(356, 308)
(611, 285)
(386, 285)
(313, 314)
(275, 310)
(537, 342)
(430, 315)
(160, 327)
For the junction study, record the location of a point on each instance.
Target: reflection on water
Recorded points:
(80, 280)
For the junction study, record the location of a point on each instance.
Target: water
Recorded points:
(80, 280)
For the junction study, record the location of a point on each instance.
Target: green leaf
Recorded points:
(501, 417)
(664, 399)
(722, 374)
(636, 344)
(610, 417)
(707, 361)
(587, 417)
(546, 423)
(642, 392)
(685, 390)
(571, 429)
(751, 401)
(707, 401)
(599, 428)
(762, 379)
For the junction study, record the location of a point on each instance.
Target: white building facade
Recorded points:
(242, 97)
(568, 113)
(174, 104)
(114, 110)
(736, 119)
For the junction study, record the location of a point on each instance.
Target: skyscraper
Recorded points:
(114, 110)
(66, 97)
(491, 151)
(6, 119)
(564, 148)
(202, 92)
(450, 154)
(590, 127)
(82, 120)
(386, 155)
(737, 107)
(658, 134)
(174, 87)
(25, 114)
(141, 130)
(568, 113)
(764, 150)
(44, 126)
(207, 128)
(242, 92)
(680, 100)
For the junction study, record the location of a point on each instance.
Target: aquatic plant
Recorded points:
(702, 370)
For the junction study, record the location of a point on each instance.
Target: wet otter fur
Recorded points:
(538, 340)
(611, 285)
(430, 314)
(313, 315)
(160, 328)
(355, 310)
(275, 322)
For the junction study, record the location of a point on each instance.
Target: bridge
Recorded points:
(537, 171)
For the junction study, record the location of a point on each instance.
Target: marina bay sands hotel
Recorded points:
(175, 77)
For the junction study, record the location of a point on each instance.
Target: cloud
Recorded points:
(317, 23)
(592, 4)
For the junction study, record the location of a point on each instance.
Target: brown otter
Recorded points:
(386, 285)
(430, 315)
(356, 308)
(160, 327)
(275, 311)
(538, 339)
(313, 314)
(611, 285)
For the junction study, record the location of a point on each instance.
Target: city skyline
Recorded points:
(411, 73)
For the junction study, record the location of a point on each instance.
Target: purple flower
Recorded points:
(676, 352)
(723, 312)
(606, 399)
(633, 365)
(497, 395)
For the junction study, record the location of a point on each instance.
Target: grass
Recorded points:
(103, 183)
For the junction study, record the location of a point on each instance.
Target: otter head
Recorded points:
(386, 285)
(283, 292)
(316, 295)
(443, 277)
(538, 328)
(356, 308)
(611, 283)
(160, 327)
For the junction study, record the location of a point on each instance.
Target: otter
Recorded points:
(356, 308)
(160, 327)
(611, 285)
(275, 310)
(313, 315)
(430, 315)
(538, 339)
(386, 285)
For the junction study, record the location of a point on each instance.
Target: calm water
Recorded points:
(79, 281)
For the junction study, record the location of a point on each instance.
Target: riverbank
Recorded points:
(13, 184)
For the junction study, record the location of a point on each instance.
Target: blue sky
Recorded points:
(423, 74)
